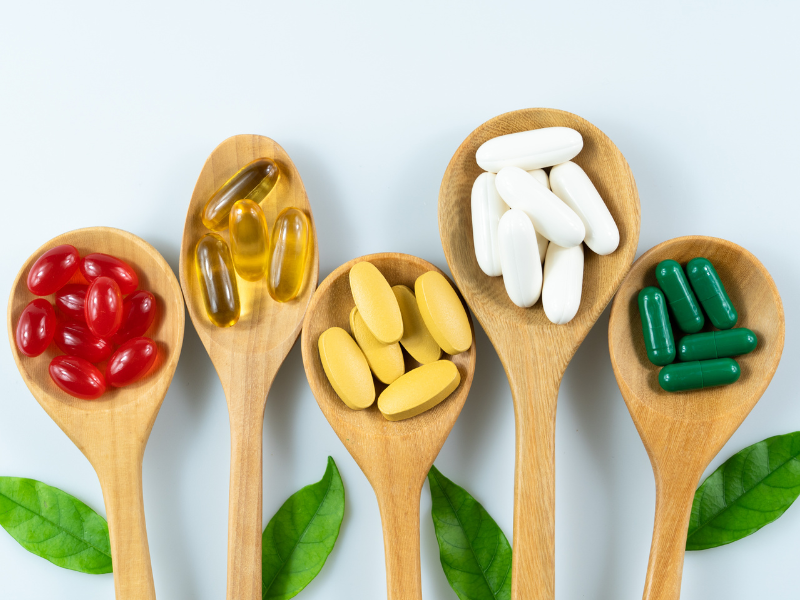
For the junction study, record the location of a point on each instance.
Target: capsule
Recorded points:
(419, 390)
(103, 265)
(36, 327)
(680, 296)
(698, 374)
(288, 254)
(217, 280)
(249, 240)
(102, 309)
(253, 181)
(717, 344)
(529, 150)
(711, 293)
(656, 327)
(443, 313)
(346, 368)
(53, 269)
(487, 208)
(376, 302)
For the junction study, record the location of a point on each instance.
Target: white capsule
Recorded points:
(563, 281)
(487, 208)
(542, 243)
(550, 216)
(529, 149)
(541, 177)
(571, 183)
(519, 255)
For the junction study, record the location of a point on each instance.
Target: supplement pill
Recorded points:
(102, 265)
(71, 299)
(419, 390)
(376, 302)
(217, 280)
(417, 340)
(103, 307)
(680, 296)
(698, 374)
(656, 327)
(563, 282)
(253, 181)
(711, 293)
(529, 150)
(75, 338)
(487, 208)
(519, 255)
(717, 344)
(138, 314)
(77, 377)
(249, 240)
(385, 360)
(443, 312)
(131, 362)
(346, 368)
(289, 249)
(53, 269)
(540, 175)
(36, 327)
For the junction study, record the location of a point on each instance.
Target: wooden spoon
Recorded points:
(112, 431)
(248, 355)
(395, 456)
(682, 432)
(535, 352)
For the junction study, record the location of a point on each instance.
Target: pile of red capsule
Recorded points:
(93, 320)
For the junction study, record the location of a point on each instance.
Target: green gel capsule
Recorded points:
(717, 344)
(711, 293)
(680, 296)
(656, 328)
(698, 374)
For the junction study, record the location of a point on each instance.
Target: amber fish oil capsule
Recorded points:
(711, 293)
(253, 181)
(717, 344)
(249, 240)
(288, 254)
(217, 280)
(682, 301)
(698, 374)
(658, 340)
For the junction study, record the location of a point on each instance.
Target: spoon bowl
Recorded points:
(535, 352)
(247, 356)
(394, 455)
(112, 431)
(683, 432)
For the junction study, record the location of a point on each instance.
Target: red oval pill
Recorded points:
(77, 377)
(103, 265)
(70, 300)
(103, 308)
(53, 269)
(138, 313)
(36, 327)
(131, 361)
(75, 338)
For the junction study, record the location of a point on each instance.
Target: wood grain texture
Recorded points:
(534, 352)
(112, 431)
(683, 432)
(395, 456)
(248, 355)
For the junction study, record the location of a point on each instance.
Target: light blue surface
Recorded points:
(108, 110)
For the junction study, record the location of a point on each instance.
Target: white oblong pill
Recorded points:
(487, 208)
(550, 216)
(563, 282)
(528, 150)
(542, 243)
(571, 183)
(519, 255)
(541, 176)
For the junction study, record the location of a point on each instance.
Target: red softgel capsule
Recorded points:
(74, 338)
(36, 327)
(138, 313)
(103, 308)
(132, 361)
(53, 269)
(102, 265)
(77, 377)
(70, 300)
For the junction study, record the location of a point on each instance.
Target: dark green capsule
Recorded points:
(711, 293)
(656, 328)
(680, 296)
(717, 344)
(698, 374)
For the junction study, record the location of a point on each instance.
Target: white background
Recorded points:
(108, 110)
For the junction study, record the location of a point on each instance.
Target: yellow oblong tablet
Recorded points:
(417, 340)
(385, 360)
(346, 367)
(419, 390)
(376, 302)
(443, 313)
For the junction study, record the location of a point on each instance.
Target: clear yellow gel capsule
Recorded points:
(385, 360)
(417, 340)
(376, 302)
(443, 313)
(217, 280)
(249, 240)
(346, 368)
(288, 254)
(253, 181)
(419, 390)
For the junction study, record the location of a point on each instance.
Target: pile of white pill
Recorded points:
(523, 217)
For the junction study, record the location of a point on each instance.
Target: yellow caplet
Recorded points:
(346, 368)
(419, 390)
(443, 313)
(376, 302)
(417, 340)
(385, 360)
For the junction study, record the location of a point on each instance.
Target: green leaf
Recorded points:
(749, 490)
(54, 525)
(476, 556)
(301, 535)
